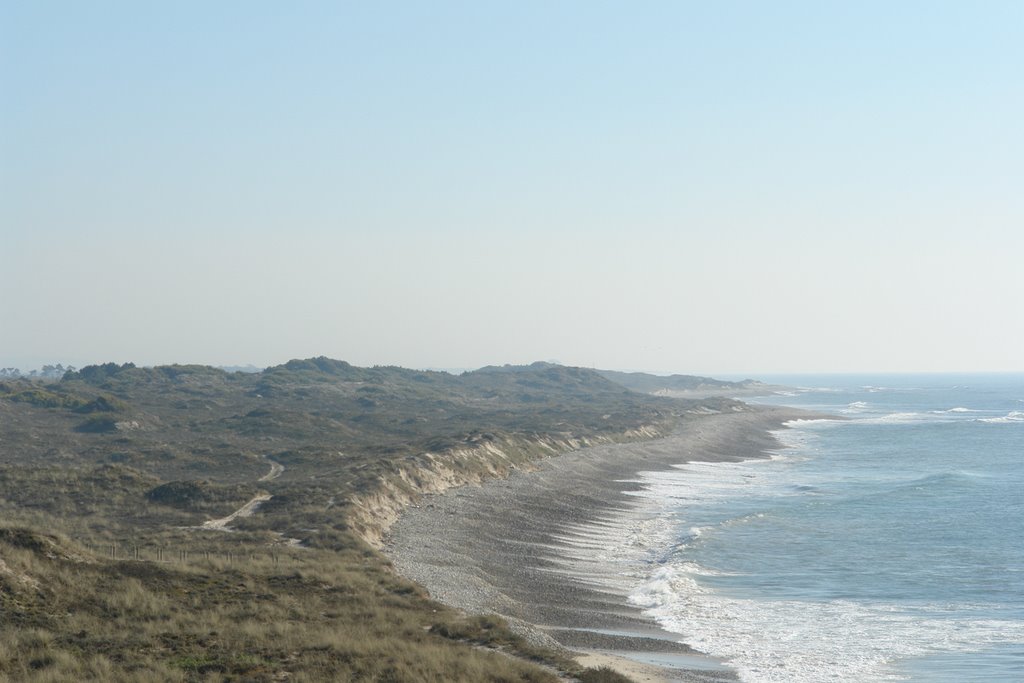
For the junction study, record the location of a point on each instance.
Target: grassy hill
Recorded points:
(685, 385)
(108, 476)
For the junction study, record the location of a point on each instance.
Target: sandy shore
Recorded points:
(503, 547)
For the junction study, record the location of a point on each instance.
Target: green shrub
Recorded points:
(98, 424)
(102, 404)
(48, 399)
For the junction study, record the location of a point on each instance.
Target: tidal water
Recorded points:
(886, 544)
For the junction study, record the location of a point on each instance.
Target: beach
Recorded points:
(510, 546)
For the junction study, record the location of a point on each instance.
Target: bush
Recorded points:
(102, 404)
(98, 424)
(603, 675)
(47, 399)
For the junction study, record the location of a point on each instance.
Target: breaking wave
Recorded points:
(1011, 417)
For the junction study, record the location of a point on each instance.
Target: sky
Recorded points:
(696, 187)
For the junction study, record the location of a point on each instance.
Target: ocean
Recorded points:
(884, 545)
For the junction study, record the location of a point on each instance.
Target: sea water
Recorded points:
(886, 544)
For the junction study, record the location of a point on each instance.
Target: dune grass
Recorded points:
(106, 475)
(315, 615)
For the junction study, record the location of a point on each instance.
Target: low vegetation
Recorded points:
(107, 475)
(650, 384)
(70, 614)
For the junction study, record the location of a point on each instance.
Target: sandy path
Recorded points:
(244, 511)
(276, 469)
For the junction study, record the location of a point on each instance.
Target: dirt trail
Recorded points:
(276, 469)
(244, 511)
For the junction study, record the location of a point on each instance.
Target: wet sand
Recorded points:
(508, 546)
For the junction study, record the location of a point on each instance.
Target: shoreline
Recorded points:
(506, 546)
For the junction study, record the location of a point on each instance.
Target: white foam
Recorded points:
(871, 389)
(803, 422)
(612, 555)
(932, 416)
(744, 519)
(855, 407)
(766, 641)
(787, 639)
(701, 481)
(808, 642)
(695, 569)
(1012, 416)
(897, 418)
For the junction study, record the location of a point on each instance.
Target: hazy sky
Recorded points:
(707, 187)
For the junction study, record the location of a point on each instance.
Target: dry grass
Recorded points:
(140, 595)
(312, 615)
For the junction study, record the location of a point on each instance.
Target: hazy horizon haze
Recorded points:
(678, 187)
